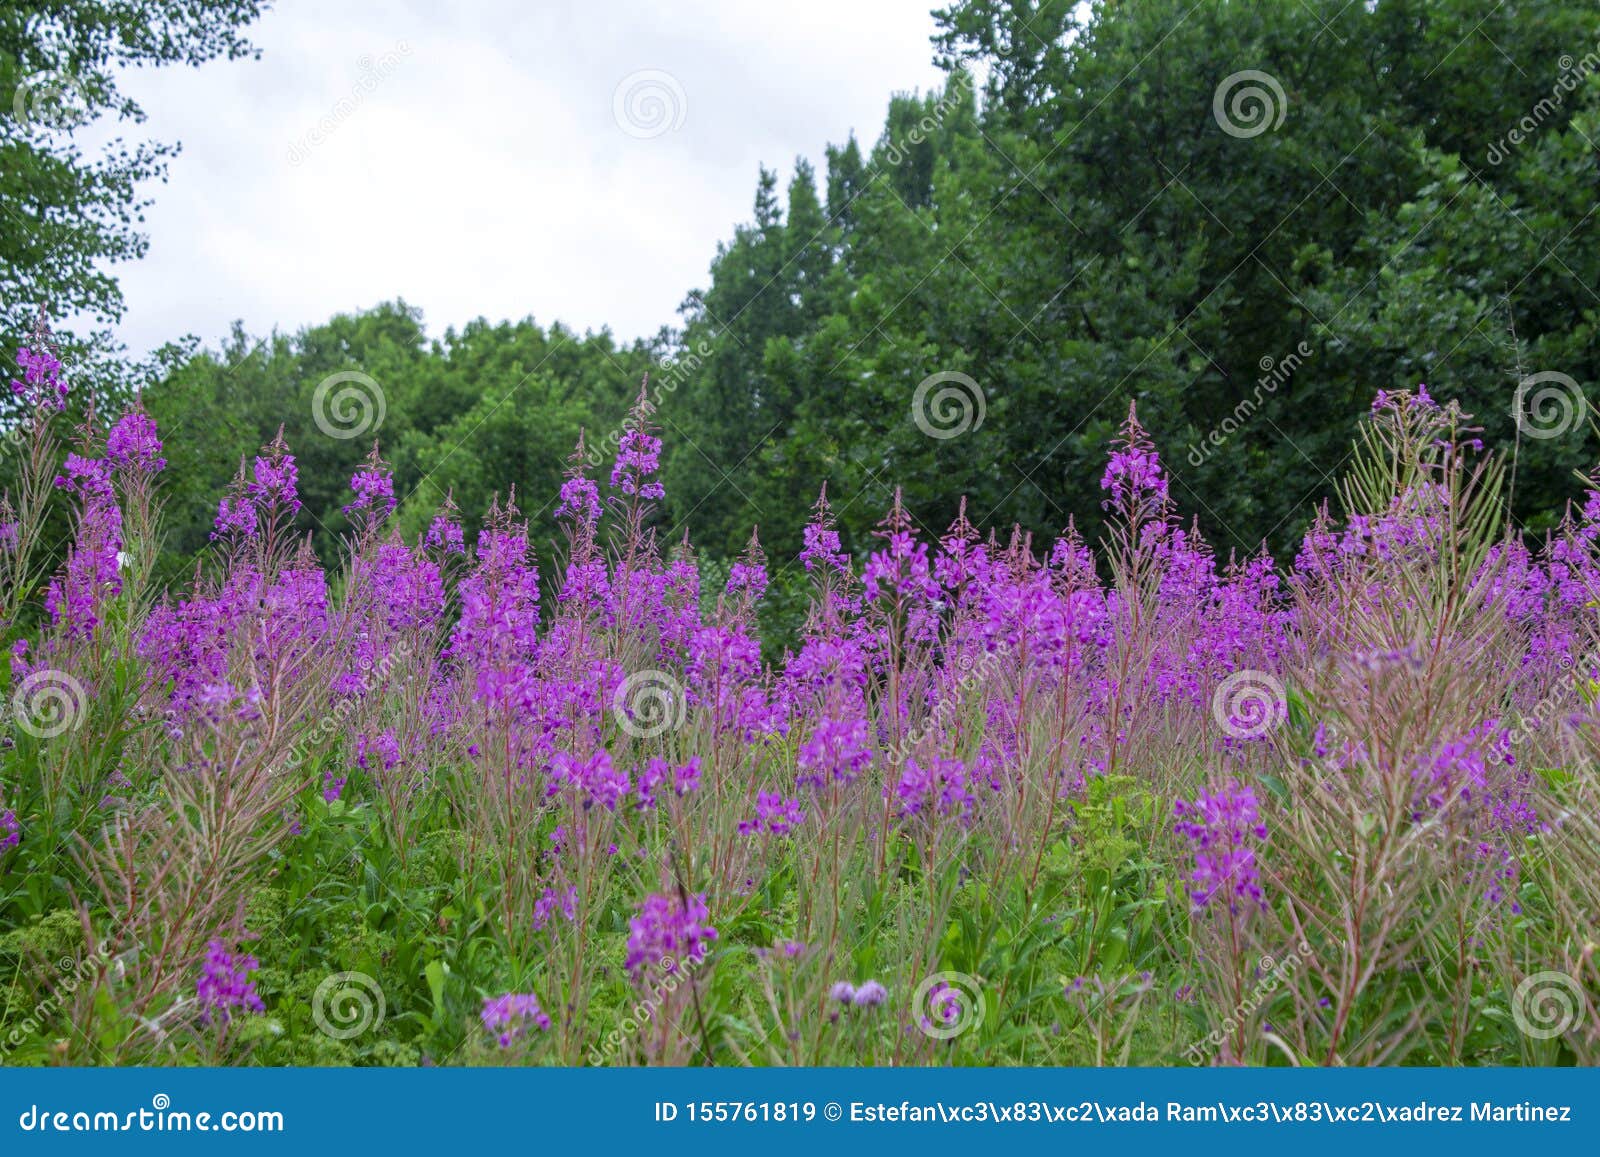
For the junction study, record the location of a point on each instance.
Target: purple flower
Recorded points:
(133, 446)
(41, 384)
(373, 485)
(638, 457)
(225, 984)
(594, 780)
(444, 534)
(10, 829)
(750, 577)
(775, 816)
(1224, 827)
(941, 788)
(837, 751)
(550, 902)
(843, 992)
(666, 934)
(871, 995)
(580, 501)
(509, 1015)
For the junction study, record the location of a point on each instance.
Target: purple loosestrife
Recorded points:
(10, 827)
(1224, 827)
(509, 1016)
(225, 984)
(668, 934)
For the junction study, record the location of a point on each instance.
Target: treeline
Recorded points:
(1248, 217)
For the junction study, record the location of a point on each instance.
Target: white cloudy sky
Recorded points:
(484, 172)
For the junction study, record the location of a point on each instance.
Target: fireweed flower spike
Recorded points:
(225, 984)
(1224, 826)
(508, 1017)
(669, 934)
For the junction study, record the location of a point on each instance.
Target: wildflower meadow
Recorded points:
(442, 799)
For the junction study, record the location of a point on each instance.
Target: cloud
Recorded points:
(468, 159)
